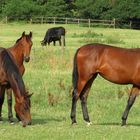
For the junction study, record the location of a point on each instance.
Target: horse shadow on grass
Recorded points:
(116, 124)
(43, 121)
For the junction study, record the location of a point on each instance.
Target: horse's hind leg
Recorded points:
(83, 98)
(82, 92)
(73, 108)
(131, 100)
(75, 96)
(63, 41)
(9, 101)
(60, 42)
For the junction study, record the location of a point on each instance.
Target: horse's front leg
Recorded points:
(60, 43)
(9, 101)
(2, 93)
(131, 100)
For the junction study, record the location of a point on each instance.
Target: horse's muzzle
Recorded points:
(26, 58)
(43, 43)
(24, 123)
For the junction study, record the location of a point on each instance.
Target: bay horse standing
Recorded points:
(10, 77)
(20, 52)
(117, 65)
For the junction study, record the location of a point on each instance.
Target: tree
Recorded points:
(58, 8)
(92, 8)
(23, 9)
(2, 4)
(41, 2)
(125, 10)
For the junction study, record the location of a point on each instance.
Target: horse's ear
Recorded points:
(30, 34)
(23, 34)
(29, 95)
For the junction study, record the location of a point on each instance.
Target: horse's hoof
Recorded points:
(89, 123)
(11, 121)
(123, 123)
(74, 123)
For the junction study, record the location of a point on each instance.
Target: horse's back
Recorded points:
(118, 65)
(111, 53)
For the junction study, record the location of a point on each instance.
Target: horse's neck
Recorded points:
(17, 54)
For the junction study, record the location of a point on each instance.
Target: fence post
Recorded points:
(54, 20)
(31, 20)
(66, 21)
(130, 24)
(114, 21)
(78, 21)
(89, 22)
(41, 20)
(6, 19)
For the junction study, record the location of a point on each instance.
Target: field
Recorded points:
(48, 76)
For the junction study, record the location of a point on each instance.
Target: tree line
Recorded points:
(94, 9)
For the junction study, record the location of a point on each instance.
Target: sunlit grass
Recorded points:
(49, 74)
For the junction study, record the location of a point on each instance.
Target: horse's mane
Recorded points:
(12, 71)
(27, 38)
(18, 40)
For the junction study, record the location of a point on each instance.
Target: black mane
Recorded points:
(18, 40)
(12, 71)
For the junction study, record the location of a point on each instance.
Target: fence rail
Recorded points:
(78, 21)
(86, 22)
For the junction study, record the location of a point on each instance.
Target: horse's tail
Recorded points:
(75, 71)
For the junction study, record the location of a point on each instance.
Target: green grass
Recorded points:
(49, 73)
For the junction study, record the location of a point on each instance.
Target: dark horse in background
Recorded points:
(10, 77)
(117, 65)
(54, 34)
(20, 52)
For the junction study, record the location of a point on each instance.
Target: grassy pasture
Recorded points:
(48, 76)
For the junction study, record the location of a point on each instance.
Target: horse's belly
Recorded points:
(117, 79)
(121, 76)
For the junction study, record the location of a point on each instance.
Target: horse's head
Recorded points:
(42, 43)
(22, 108)
(26, 44)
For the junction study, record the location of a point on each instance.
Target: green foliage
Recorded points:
(126, 9)
(56, 8)
(23, 9)
(94, 9)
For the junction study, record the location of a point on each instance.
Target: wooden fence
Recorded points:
(78, 21)
(85, 22)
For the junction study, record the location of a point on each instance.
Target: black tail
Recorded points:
(75, 71)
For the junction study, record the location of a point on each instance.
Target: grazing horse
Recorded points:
(11, 77)
(117, 65)
(20, 53)
(54, 34)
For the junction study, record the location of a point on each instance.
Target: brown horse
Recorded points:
(117, 65)
(11, 77)
(20, 52)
